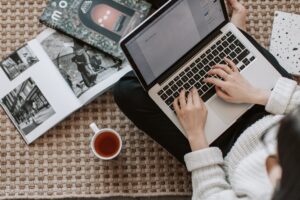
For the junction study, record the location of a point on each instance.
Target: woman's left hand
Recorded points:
(192, 114)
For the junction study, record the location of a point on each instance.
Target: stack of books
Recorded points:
(68, 65)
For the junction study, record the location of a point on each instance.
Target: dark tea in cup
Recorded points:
(106, 143)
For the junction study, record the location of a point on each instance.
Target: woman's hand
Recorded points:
(234, 88)
(192, 114)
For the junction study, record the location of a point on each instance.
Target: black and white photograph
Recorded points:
(18, 62)
(82, 66)
(27, 106)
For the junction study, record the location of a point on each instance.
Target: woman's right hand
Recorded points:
(234, 88)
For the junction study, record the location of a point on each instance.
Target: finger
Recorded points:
(221, 73)
(231, 64)
(176, 105)
(215, 81)
(222, 94)
(227, 69)
(196, 97)
(189, 99)
(182, 99)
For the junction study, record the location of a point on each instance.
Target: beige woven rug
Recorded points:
(60, 163)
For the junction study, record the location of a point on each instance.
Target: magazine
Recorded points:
(100, 23)
(285, 41)
(50, 77)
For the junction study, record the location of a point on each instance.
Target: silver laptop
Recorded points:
(176, 47)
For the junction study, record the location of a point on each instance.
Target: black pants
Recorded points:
(146, 115)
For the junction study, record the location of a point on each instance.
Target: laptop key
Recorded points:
(189, 74)
(160, 92)
(220, 48)
(187, 69)
(184, 78)
(231, 38)
(200, 66)
(176, 78)
(227, 51)
(166, 87)
(228, 34)
(225, 44)
(195, 70)
(169, 100)
(210, 57)
(208, 94)
(252, 58)
(164, 96)
(176, 94)
(232, 47)
(169, 92)
(202, 72)
(179, 83)
(215, 52)
(217, 60)
(232, 55)
(192, 81)
(205, 61)
(236, 61)
(243, 55)
(242, 67)
(181, 74)
(197, 60)
(204, 88)
(213, 46)
(202, 56)
(207, 68)
(197, 85)
(186, 86)
(197, 77)
(222, 55)
(174, 88)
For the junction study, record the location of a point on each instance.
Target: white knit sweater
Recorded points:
(242, 173)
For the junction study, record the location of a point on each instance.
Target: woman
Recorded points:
(242, 173)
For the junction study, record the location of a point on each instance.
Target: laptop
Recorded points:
(178, 44)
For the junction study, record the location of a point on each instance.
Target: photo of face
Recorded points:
(108, 17)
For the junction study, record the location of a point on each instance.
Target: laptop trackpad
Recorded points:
(227, 112)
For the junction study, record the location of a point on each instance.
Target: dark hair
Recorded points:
(289, 157)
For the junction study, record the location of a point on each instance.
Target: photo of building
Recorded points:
(28, 106)
(18, 62)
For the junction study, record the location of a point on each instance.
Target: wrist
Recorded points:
(261, 97)
(198, 141)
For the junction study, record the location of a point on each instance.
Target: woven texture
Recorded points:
(60, 163)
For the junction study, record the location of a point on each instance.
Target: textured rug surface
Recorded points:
(60, 163)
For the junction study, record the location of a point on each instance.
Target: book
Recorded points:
(52, 76)
(100, 23)
(285, 41)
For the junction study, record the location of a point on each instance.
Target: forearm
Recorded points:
(208, 176)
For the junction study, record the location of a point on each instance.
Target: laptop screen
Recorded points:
(169, 37)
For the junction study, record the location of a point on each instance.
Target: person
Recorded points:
(82, 60)
(236, 165)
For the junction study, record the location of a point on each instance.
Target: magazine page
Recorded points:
(285, 41)
(34, 95)
(86, 70)
(105, 81)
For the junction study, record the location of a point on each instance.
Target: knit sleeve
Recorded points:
(284, 97)
(208, 177)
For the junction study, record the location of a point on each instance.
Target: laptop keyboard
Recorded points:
(192, 76)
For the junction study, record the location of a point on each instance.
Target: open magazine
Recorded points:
(50, 77)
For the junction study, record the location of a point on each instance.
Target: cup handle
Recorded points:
(94, 127)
